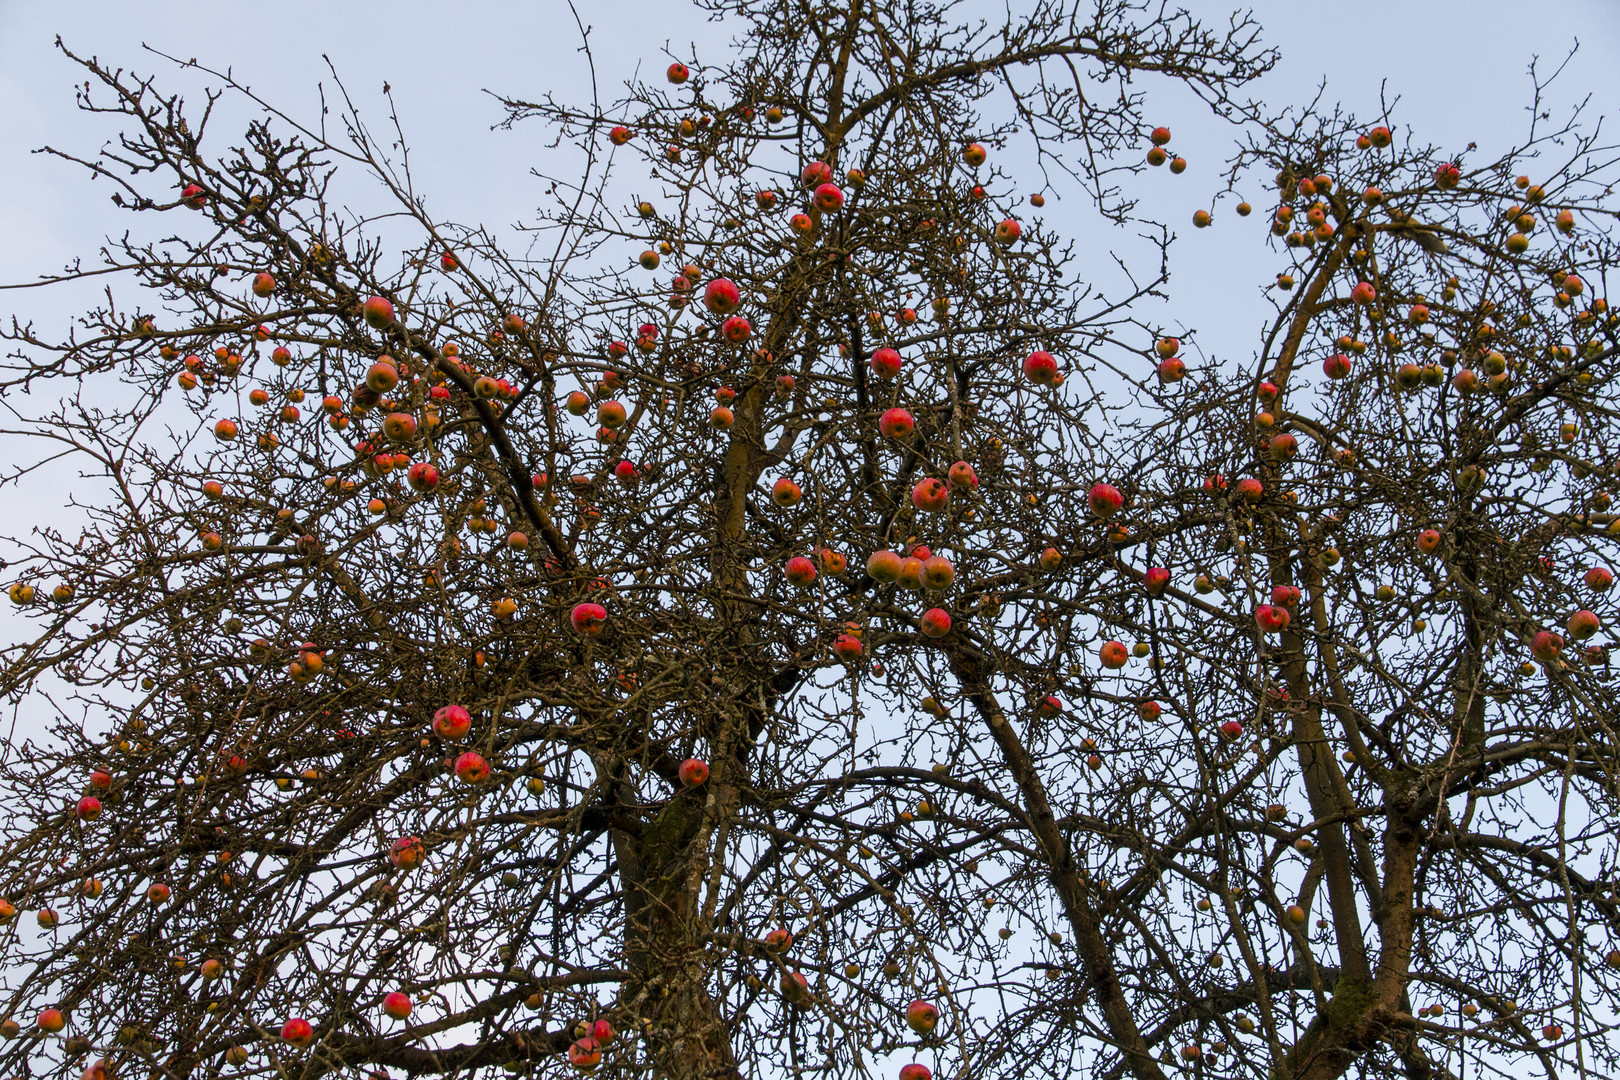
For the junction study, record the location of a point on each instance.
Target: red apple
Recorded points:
(1285, 595)
(1249, 490)
(619, 135)
(885, 363)
(1364, 293)
(974, 154)
(921, 1017)
(298, 1032)
(736, 330)
(406, 853)
(1448, 175)
(1156, 580)
(193, 196)
(1148, 711)
(1283, 446)
(1113, 655)
(961, 475)
(1040, 367)
(847, 648)
(795, 987)
(936, 622)
(1104, 500)
(1272, 619)
(1160, 136)
(693, 772)
(602, 1032)
(930, 495)
(785, 492)
(1008, 232)
(1582, 625)
(397, 1005)
(422, 476)
(1336, 366)
(896, 423)
(915, 1071)
(678, 73)
(1546, 646)
(1428, 541)
(225, 430)
(585, 1054)
(779, 940)
(89, 807)
(452, 722)
(263, 285)
(52, 1020)
(1231, 729)
(937, 573)
(471, 768)
(883, 566)
(588, 620)
(800, 571)
(722, 296)
(828, 198)
(378, 313)
(100, 780)
(1599, 579)
(158, 893)
(815, 174)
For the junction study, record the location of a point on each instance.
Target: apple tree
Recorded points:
(787, 610)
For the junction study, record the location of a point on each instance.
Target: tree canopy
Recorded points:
(787, 611)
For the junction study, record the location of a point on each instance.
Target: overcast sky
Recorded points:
(1458, 65)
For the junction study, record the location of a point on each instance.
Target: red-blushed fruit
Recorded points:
(915, 1071)
(101, 780)
(1364, 293)
(619, 135)
(896, 423)
(225, 430)
(1599, 579)
(930, 495)
(158, 893)
(1447, 175)
(832, 563)
(588, 620)
(921, 1017)
(382, 376)
(1546, 646)
(625, 472)
(1267, 391)
(736, 330)
(1040, 368)
(1283, 446)
(471, 768)
(88, 809)
(678, 73)
(51, 1020)
(937, 573)
(847, 648)
(828, 198)
(936, 622)
(422, 477)
(399, 427)
(974, 154)
(449, 263)
(1249, 490)
(815, 174)
(46, 918)
(452, 722)
(1428, 541)
(786, 493)
(1113, 655)
(722, 296)
(407, 853)
(961, 475)
(1285, 595)
(1050, 559)
(1271, 618)
(397, 1005)
(1008, 232)
(297, 1032)
(1336, 366)
(884, 566)
(263, 285)
(1148, 711)
(885, 363)
(693, 772)
(795, 987)
(1582, 625)
(1104, 500)
(602, 1032)
(779, 940)
(800, 571)
(585, 1054)
(1160, 136)
(378, 313)
(1156, 580)
(193, 196)
(1231, 729)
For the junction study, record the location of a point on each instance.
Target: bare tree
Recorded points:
(849, 634)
